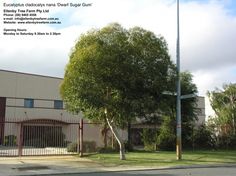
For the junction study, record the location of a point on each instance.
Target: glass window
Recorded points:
(58, 104)
(28, 103)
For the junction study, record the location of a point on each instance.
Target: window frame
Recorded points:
(29, 103)
(58, 104)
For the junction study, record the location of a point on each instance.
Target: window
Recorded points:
(58, 104)
(28, 103)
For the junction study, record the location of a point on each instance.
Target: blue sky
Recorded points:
(230, 5)
(207, 31)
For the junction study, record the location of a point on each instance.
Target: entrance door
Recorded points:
(2, 117)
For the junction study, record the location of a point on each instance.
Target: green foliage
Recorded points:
(72, 147)
(226, 141)
(108, 150)
(203, 138)
(129, 147)
(223, 103)
(166, 139)
(88, 146)
(113, 145)
(10, 140)
(167, 159)
(188, 108)
(123, 71)
(189, 111)
(149, 138)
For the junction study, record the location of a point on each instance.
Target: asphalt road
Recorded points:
(217, 171)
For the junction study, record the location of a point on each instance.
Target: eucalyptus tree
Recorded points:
(117, 74)
(223, 102)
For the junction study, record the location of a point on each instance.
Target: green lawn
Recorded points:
(163, 158)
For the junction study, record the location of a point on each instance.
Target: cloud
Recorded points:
(209, 80)
(208, 37)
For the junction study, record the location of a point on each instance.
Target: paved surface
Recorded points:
(71, 165)
(45, 165)
(220, 171)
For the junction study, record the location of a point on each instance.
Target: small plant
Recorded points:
(72, 147)
(88, 146)
(149, 139)
(166, 138)
(10, 140)
(203, 138)
(107, 150)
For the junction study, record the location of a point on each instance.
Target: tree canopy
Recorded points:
(166, 137)
(223, 103)
(117, 74)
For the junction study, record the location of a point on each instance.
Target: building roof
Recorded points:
(32, 74)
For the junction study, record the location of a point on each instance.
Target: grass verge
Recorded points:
(165, 159)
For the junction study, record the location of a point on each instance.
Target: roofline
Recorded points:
(31, 74)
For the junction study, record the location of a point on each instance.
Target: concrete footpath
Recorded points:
(46, 165)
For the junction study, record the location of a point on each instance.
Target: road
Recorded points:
(217, 171)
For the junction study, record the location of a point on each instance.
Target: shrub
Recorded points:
(227, 141)
(203, 138)
(88, 146)
(72, 147)
(116, 146)
(166, 139)
(107, 150)
(128, 146)
(10, 140)
(149, 139)
(232, 141)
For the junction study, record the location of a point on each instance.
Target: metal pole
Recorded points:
(20, 144)
(81, 137)
(178, 104)
(78, 139)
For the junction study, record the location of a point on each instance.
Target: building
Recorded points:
(34, 101)
(31, 105)
(137, 128)
(201, 113)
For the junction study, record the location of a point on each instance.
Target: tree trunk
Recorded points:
(118, 138)
(233, 124)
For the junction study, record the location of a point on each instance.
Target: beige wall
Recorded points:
(201, 110)
(44, 90)
(14, 84)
